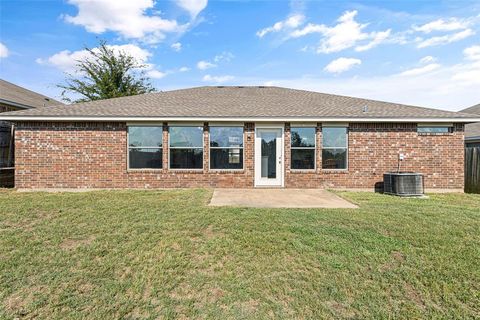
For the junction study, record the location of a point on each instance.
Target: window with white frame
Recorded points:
(302, 148)
(226, 147)
(186, 147)
(145, 147)
(334, 147)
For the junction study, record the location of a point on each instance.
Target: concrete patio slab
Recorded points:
(278, 198)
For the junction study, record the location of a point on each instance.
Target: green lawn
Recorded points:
(166, 255)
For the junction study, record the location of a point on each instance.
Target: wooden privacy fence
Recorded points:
(6, 155)
(472, 169)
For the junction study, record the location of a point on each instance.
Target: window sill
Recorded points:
(435, 133)
(226, 170)
(334, 171)
(145, 170)
(294, 171)
(185, 171)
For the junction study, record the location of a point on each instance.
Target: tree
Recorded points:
(105, 74)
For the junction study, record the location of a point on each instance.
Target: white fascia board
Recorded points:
(239, 119)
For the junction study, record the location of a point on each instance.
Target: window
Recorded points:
(303, 148)
(226, 148)
(186, 147)
(434, 129)
(335, 148)
(145, 147)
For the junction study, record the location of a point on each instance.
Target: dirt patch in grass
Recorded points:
(19, 302)
(414, 296)
(340, 310)
(72, 244)
(397, 258)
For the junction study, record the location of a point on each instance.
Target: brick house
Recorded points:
(236, 137)
(12, 98)
(472, 131)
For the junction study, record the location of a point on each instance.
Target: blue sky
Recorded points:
(416, 52)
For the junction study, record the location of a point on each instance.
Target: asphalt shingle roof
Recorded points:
(12, 93)
(239, 102)
(472, 130)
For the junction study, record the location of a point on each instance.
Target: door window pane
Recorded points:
(269, 155)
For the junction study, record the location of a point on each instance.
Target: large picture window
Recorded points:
(145, 147)
(334, 148)
(303, 148)
(226, 148)
(186, 147)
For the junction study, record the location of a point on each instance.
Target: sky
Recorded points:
(424, 53)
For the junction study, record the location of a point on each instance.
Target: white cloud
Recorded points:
(156, 74)
(292, 22)
(420, 70)
(451, 24)
(128, 18)
(66, 60)
(204, 65)
(345, 34)
(184, 69)
(224, 57)
(451, 87)
(472, 53)
(217, 79)
(3, 51)
(378, 38)
(342, 64)
(441, 40)
(428, 59)
(194, 7)
(177, 46)
(219, 58)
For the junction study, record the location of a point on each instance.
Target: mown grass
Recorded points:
(165, 254)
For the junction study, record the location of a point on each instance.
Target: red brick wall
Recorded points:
(94, 155)
(373, 149)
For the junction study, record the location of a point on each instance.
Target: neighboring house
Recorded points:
(12, 98)
(472, 152)
(236, 137)
(472, 131)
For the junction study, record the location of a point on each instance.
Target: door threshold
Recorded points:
(269, 187)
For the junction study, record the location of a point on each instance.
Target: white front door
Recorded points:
(269, 156)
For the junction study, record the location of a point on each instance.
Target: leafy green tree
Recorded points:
(105, 74)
